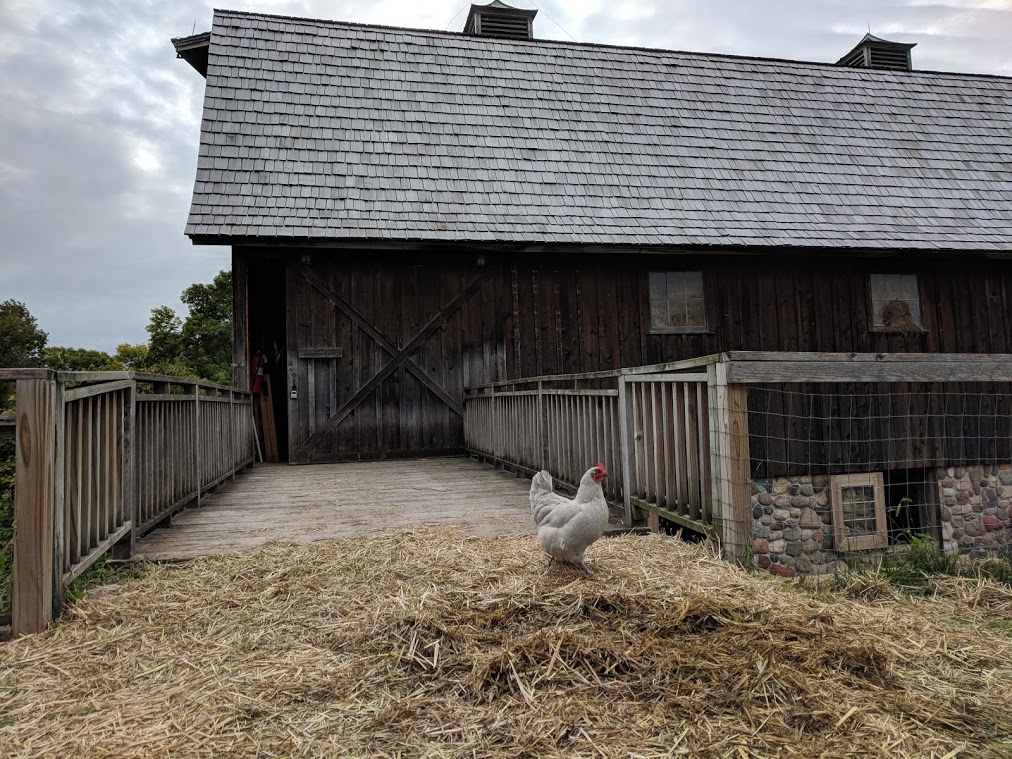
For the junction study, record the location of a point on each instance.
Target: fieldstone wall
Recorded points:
(976, 508)
(791, 526)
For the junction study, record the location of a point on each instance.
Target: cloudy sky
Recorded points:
(99, 122)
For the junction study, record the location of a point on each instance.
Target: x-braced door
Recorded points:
(351, 339)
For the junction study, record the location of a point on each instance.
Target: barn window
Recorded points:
(859, 516)
(895, 303)
(677, 303)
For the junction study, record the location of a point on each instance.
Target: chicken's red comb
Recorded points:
(602, 467)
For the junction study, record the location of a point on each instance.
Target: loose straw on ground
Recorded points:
(434, 644)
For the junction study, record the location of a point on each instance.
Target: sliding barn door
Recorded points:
(377, 357)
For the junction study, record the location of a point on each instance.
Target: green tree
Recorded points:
(21, 340)
(199, 345)
(21, 344)
(80, 360)
(132, 356)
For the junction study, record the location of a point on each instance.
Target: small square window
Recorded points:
(859, 518)
(896, 303)
(677, 303)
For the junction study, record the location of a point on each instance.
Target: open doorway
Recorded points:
(268, 341)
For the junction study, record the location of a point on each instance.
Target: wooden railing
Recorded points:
(671, 441)
(540, 424)
(650, 425)
(103, 457)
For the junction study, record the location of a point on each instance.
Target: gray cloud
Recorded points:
(99, 128)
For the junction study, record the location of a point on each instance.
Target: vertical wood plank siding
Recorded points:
(544, 315)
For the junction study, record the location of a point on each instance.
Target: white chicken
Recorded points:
(566, 527)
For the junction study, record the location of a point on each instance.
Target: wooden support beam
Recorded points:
(710, 531)
(731, 467)
(34, 477)
(240, 319)
(626, 447)
(942, 368)
(124, 548)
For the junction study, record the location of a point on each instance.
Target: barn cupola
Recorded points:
(876, 53)
(500, 20)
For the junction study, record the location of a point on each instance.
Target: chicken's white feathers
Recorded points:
(567, 526)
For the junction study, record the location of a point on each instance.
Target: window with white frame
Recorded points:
(896, 303)
(677, 302)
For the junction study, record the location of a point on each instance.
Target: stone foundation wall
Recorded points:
(976, 508)
(792, 526)
(792, 518)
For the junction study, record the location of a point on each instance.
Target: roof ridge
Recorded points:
(610, 46)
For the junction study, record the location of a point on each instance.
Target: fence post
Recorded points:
(34, 506)
(731, 470)
(626, 429)
(494, 427)
(197, 457)
(59, 500)
(542, 441)
(232, 458)
(125, 548)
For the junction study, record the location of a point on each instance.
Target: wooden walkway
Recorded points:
(325, 501)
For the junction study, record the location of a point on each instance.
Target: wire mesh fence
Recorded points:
(844, 474)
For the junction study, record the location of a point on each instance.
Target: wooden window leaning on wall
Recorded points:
(896, 303)
(677, 302)
(859, 516)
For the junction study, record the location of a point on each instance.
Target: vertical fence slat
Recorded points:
(692, 467)
(32, 607)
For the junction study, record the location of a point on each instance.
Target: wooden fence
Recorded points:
(650, 425)
(678, 433)
(102, 458)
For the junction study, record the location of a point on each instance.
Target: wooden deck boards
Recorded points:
(325, 501)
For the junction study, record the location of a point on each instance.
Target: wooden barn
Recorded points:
(414, 213)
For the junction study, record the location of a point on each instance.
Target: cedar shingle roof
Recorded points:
(319, 129)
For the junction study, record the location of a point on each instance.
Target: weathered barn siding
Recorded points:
(542, 314)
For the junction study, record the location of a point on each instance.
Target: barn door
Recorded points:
(327, 315)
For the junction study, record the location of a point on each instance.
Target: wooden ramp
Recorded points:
(325, 501)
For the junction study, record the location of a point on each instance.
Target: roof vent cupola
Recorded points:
(500, 20)
(875, 53)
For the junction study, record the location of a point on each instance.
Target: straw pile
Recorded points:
(433, 644)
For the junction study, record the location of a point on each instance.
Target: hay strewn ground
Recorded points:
(434, 644)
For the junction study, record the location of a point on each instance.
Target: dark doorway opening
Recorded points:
(268, 336)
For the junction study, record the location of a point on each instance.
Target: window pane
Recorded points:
(895, 301)
(658, 289)
(694, 313)
(659, 315)
(677, 300)
(694, 284)
(677, 311)
(676, 285)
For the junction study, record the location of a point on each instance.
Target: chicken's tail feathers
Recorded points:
(542, 490)
(541, 484)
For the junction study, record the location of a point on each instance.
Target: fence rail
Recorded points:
(650, 425)
(102, 458)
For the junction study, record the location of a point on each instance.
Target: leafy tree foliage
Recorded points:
(80, 360)
(21, 344)
(132, 356)
(21, 340)
(199, 345)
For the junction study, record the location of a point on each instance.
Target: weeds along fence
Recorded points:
(795, 462)
(102, 458)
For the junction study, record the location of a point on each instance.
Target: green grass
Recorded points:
(102, 573)
(911, 567)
